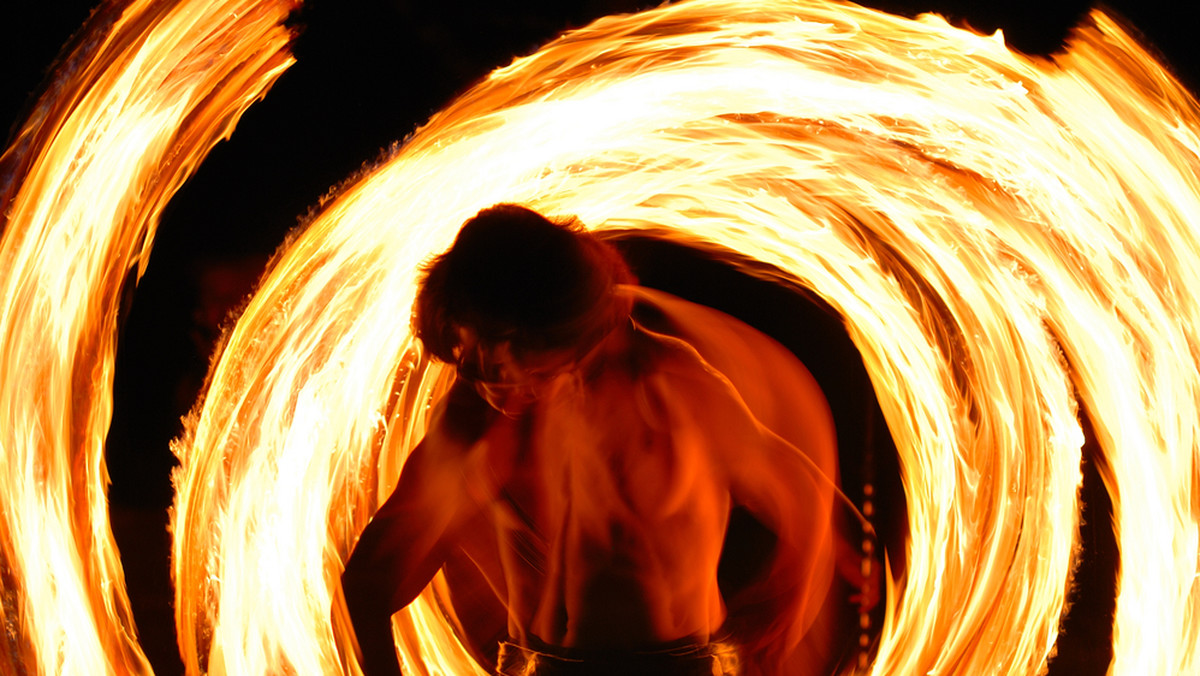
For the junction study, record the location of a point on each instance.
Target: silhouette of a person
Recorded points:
(603, 432)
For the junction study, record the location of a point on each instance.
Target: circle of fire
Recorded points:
(1009, 241)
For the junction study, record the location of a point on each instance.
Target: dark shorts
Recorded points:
(690, 659)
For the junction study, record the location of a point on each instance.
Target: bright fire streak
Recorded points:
(144, 95)
(1006, 239)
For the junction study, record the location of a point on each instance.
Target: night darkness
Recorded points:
(368, 73)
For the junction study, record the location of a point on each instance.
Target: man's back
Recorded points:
(587, 460)
(613, 508)
(610, 495)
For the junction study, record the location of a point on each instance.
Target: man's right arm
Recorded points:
(408, 539)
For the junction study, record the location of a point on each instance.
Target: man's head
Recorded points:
(520, 283)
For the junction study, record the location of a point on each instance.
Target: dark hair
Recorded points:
(513, 275)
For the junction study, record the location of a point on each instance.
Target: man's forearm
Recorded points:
(373, 629)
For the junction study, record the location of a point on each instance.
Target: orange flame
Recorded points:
(1006, 239)
(138, 104)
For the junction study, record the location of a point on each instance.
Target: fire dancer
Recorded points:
(588, 457)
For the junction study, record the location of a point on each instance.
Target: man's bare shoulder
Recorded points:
(677, 373)
(460, 418)
(467, 449)
(774, 383)
(704, 327)
(661, 353)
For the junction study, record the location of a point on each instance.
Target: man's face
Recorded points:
(508, 383)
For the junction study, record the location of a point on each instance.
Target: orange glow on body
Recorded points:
(1010, 241)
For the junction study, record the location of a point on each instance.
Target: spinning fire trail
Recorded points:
(1010, 243)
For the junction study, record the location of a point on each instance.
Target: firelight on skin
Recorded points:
(599, 515)
(1011, 243)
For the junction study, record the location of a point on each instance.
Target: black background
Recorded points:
(369, 72)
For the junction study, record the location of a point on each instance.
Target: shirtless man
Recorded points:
(604, 452)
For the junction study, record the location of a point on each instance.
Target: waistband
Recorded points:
(716, 658)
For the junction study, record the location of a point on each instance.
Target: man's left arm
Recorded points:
(789, 495)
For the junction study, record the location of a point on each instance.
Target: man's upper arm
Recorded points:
(409, 537)
(785, 491)
(766, 473)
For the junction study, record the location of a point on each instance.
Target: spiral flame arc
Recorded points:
(1010, 243)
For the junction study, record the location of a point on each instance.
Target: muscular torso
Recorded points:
(611, 518)
(608, 504)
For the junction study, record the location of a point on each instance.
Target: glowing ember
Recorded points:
(1008, 240)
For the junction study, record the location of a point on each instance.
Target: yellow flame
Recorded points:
(133, 111)
(1009, 241)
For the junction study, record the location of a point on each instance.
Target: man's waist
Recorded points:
(686, 657)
